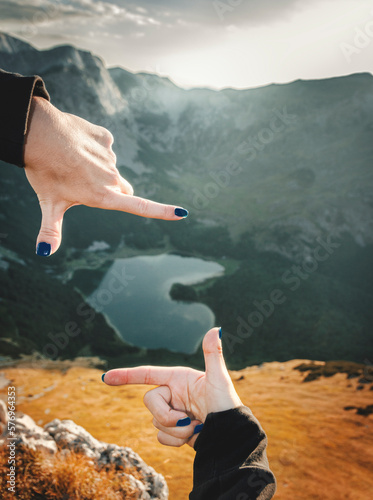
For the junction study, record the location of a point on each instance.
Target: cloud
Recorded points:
(38, 11)
(216, 12)
(245, 43)
(34, 10)
(147, 12)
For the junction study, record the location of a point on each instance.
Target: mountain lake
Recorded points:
(134, 295)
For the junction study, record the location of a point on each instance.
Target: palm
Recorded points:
(188, 392)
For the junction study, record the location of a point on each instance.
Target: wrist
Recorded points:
(37, 125)
(224, 399)
(227, 403)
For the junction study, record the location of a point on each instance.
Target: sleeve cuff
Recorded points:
(15, 101)
(236, 429)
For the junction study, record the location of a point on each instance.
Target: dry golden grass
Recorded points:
(317, 450)
(63, 476)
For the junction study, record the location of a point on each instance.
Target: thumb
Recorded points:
(220, 392)
(49, 238)
(215, 368)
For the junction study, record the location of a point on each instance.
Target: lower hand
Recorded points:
(69, 161)
(185, 396)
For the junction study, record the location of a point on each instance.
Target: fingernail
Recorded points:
(103, 377)
(183, 422)
(220, 333)
(181, 212)
(43, 249)
(198, 428)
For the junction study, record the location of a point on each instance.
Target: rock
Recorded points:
(31, 435)
(66, 435)
(126, 457)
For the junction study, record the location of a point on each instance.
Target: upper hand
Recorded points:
(183, 392)
(69, 161)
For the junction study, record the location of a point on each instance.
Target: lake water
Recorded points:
(134, 295)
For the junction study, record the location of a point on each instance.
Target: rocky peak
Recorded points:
(10, 45)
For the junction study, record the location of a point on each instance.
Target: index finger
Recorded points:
(143, 207)
(149, 375)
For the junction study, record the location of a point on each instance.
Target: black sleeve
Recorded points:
(16, 92)
(231, 461)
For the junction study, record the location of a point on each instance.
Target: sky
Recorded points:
(206, 43)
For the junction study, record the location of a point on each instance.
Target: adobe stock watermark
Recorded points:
(219, 180)
(362, 38)
(148, 83)
(11, 438)
(256, 482)
(222, 8)
(257, 143)
(293, 279)
(119, 280)
(249, 149)
(42, 16)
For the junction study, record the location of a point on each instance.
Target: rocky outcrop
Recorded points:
(67, 435)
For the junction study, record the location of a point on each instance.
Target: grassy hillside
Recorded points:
(318, 448)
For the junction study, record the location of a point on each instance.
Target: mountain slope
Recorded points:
(293, 159)
(268, 174)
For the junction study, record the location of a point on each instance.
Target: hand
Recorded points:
(69, 161)
(185, 396)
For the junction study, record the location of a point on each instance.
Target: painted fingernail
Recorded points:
(181, 212)
(103, 377)
(183, 422)
(198, 428)
(220, 333)
(43, 249)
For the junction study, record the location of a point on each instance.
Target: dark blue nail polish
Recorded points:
(198, 428)
(181, 212)
(220, 333)
(183, 422)
(103, 377)
(43, 249)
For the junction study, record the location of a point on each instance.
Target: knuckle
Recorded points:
(143, 206)
(114, 178)
(49, 232)
(146, 399)
(163, 419)
(147, 375)
(157, 424)
(103, 136)
(166, 212)
(113, 156)
(107, 136)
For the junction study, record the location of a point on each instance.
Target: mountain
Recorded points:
(273, 177)
(291, 159)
